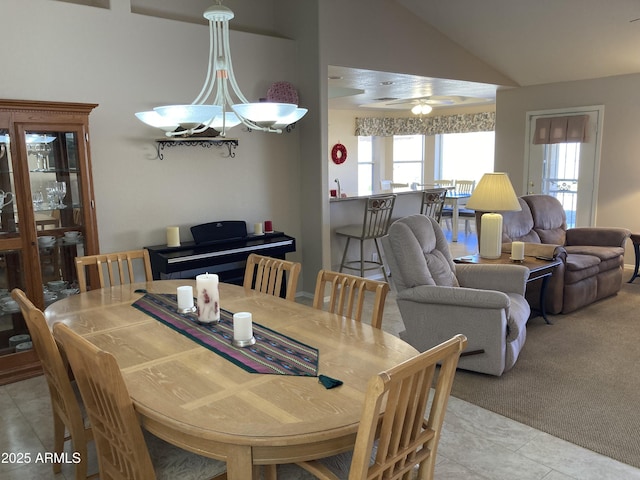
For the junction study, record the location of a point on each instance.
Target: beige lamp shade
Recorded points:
(494, 193)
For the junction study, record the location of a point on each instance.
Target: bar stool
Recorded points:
(377, 218)
(635, 238)
(433, 202)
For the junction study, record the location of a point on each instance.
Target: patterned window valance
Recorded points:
(462, 123)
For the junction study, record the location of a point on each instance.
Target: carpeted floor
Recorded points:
(578, 379)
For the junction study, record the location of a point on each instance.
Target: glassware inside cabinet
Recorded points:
(56, 193)
(14, 335)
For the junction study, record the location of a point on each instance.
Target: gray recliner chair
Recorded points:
(438, 298)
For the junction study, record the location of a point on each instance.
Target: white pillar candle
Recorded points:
(173, 236)
(185, 297)
(257, 228)
(208, 297)
(491, 235)
(242, 326)
(517, 250)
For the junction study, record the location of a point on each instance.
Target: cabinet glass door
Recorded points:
(56, 193)
(13, 330)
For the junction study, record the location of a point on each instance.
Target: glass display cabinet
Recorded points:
(47, 215)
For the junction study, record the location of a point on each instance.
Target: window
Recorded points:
(365, 165)
(464, 156)
(408, 159)
(561, 166)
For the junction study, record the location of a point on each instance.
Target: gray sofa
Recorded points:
(438, 299)
(593, 258)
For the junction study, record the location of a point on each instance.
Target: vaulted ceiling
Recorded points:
(530, 41)
(542, 41)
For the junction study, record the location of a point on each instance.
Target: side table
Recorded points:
(635, 238)
(539, 268)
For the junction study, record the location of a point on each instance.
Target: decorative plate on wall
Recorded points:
(282, 92)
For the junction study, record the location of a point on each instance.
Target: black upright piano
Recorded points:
(218, 247)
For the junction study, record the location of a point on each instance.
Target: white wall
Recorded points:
(342, 130)
(618, 191)
(127, 63)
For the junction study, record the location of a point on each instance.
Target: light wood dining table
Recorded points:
(200, 401)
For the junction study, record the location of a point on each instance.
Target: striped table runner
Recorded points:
(273, 353)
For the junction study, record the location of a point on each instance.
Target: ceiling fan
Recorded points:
(424, 105)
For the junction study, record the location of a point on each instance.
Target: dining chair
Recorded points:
(444, 183)
(124, 450)
(462, 187)
(377, 218)
(433, 202)
(267, 274)
(347, 294)
(400, 427)
(119, 267)
(465, 186)
(65, 400)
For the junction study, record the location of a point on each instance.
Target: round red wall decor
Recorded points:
(338, 153)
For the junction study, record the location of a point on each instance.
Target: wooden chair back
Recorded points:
(266, 275)
(64, 402)
(118, 267)
(402, 393)
(397, 413)
(432, 202)
(347, 294)
(444, 183)
(465, 186)
(120, 444)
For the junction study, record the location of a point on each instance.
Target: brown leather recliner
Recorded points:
(593, 257)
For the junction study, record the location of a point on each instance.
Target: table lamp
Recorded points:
(494, 193)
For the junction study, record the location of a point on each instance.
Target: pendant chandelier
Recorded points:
(220, 104)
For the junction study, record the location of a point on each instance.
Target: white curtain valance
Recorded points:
(432, 125)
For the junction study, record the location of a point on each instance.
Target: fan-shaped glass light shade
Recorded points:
(421, 109)
(189, 116)
(264, 114)
(230, 121)
(154, 119)
(297, 114)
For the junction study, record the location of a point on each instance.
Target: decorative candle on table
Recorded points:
(243, 329)
(268, 226)
(185, 299)
(257, 228)
(208, 298)
(517, 251)
(173, 236)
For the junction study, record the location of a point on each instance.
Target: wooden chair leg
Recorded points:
(58, 439)
(270, 472)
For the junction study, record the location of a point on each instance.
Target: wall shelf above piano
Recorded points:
(204, 142)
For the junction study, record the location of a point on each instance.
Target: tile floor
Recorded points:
(475, 445)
